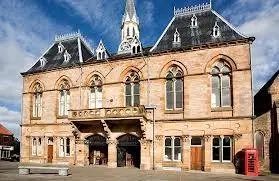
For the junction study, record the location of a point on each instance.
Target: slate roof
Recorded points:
(54, 59)
(4, 131)
(202, 34)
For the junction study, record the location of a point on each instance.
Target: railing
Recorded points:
(104, 113)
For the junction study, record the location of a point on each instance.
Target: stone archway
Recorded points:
(128, 151)
(98, 150)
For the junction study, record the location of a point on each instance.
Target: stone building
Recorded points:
(184, 103)
(266, 137)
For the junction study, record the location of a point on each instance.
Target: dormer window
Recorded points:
(67, 56)
(101, 51)
(216, 30)
(194, 21)
(42, 62)
(176, 39)
(61, 48)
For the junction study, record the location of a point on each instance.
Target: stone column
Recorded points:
(186, 151)
(81, 152)
(112, 153)
(207, 152)
(145, 157)
(159, 152)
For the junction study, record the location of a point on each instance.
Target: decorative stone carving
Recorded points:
(159, 137)
(207, 138)
(237, 136)
(186, 138)
(112, 142)
(80, 141)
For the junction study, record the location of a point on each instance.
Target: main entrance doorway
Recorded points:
(196, 153)
(98, 150)
(49, 150)
(128, 151)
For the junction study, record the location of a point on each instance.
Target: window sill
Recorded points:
(221, 109)
(180, 111)
(35, 118)
(62, 117)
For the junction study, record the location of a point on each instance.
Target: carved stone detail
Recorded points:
(112, 142)
(159, 137)
(237, 136)
(207, 138)
(186, 138)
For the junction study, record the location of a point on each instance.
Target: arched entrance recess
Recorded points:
(128, 151)
(98, 150)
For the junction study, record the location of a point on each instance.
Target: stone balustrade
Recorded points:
(104, 113)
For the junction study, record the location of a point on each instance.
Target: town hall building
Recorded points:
(184, 104)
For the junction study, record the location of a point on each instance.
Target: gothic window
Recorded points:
(99, 56)
(61, 48)
(36, 146)
(42, 62)
(194, 21)
(132, 89)
(222, 149)
(95, 93)
(216, 30)
(176, 38)
(221, 85)
(259, 144)
(64, 149)
(67, 56)
(173, 148)
(37, 101)
(64, 98)
(174, 89)
(128, 32)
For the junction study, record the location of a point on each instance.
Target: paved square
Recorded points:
(9, 172)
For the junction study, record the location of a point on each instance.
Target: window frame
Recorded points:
(63, 147)
(132, 80)
(221, 150)
(65, 105)
(36, 146)
(173, 149)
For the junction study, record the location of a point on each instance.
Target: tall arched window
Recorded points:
(174, 89)
(37, 101)
(64, 98)
(221, 85)
(95, 93)
(259, 144)
(132, 89)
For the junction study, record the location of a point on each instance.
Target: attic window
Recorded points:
(42, 62)
(101, 55)
(216, 30)
(194, 21)
(136, 49)
(61, 48)
(67, 56)
(101, 51)
(176, 39)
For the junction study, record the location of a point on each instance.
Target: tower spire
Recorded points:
(130, 12)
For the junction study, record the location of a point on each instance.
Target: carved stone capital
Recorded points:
(207, 138)
(80, 141)
(112, 142)
(159, 137)
(237, 136)
(145, 142)
(186, 138)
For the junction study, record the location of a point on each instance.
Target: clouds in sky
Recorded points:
(26, 31)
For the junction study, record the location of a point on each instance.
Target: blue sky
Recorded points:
(28, 27)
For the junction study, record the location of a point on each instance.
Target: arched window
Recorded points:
(176, 37)
(132, 89)
(134, 32)
(95, 93)
(128, 32)
(221, 85)
(259, 144)
(216, 30)
(64, 98)
(194, 21)
(174, 89)
(37, 101)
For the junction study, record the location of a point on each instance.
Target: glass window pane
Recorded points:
(168, 142)
(128, 101)
(260, 144)
(225, 69)
(178, 85)
(196, 141)
(128, 89)
(169, 86)
(179, 100)
(170, 100)
(227, 153)
(136, 88)
(177, 153)
(215, 70)
(226, 81)
(216, 141)
(216, 153)
(168, 153)
(226, 141)
(226, 97)
(215, 96)
(177, 142)
(136, 100)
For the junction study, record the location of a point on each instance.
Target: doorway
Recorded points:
(98, 150)
(196, 153)
(128, 151)
(49, 150)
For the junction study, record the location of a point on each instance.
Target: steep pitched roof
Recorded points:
(4, 131)
(201, 34)
(53, 59)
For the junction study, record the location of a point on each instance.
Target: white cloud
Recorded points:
(10, 119)
(260, 19)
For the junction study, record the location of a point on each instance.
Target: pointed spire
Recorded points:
(130, 8)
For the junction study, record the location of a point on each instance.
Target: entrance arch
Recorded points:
(128, 151)
(98, 150)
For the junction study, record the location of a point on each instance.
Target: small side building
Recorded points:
(6, 142)
(266, 137)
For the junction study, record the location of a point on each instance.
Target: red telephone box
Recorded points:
(251, 161)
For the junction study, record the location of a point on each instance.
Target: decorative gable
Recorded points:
(101, 51)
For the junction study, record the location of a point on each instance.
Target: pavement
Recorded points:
(9, 172)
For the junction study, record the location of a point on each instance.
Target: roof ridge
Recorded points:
(192, 9)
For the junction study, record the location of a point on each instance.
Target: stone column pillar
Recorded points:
(81, 152)
(145, 157)
(207, 152)
(159, 152)
(186, 151)
(112, 153)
